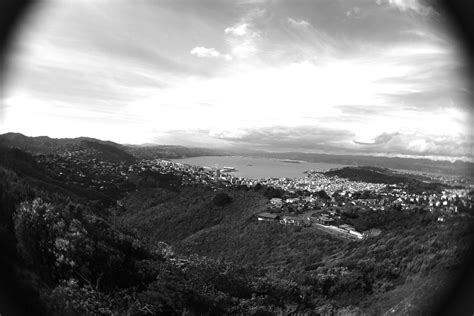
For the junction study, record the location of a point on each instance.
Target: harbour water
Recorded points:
(250, 167)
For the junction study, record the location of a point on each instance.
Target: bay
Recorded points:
(250, 167)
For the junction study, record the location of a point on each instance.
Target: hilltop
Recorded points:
(109, 151)
(413, 183)
(86, 148)
(415, 164)
(173, 152)
(90, 148)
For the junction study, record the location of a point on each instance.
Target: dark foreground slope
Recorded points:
(165, 249)
(407, 268)
(61, 257)
(27, 168)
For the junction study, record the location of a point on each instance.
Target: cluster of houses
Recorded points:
(318, 220)
(316, 181)
(89, 173)
(190, 175)
(341, 192)
(308, 210)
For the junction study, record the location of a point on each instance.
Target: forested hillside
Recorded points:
(173, 152)
(415, 255)
(86, 148)
(386, 176)
(62, 258)
(94, 237)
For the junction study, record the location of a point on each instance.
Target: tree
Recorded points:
(221, 199)
(323, 195)
(271, 192)
(36, 227)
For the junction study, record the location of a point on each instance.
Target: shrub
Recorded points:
(221, 199)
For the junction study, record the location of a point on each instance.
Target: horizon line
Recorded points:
(243, 148)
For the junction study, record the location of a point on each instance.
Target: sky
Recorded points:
(378, 77)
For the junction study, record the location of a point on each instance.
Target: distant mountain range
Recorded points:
(110, 151)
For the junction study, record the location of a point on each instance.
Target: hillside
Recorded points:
(460, 168)
(25, 166)
(172, 217)
(89, 235)
(386, 176)
(62, 258)
(86, 148)
(172, 152)
(414, 255)
(90, 148)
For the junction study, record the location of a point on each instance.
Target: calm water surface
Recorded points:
(258, 167)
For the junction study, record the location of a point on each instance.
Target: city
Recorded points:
(249, 157)
(315, 200)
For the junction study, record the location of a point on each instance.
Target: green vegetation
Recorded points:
(413, 252)
(168, 249)
(383, 175)
(83, 265)
(87, 148)
(172, 152)
(221, 199)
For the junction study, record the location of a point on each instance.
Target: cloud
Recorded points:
(186, 137)
(301, 23)
(280, 137)
(383, 83)
(243, 41)
(238, 30)
(408, 6)
(424, 35)
(358, 110)
(243, 36)
(381, 139)
(354, 12)
(245, 49)
(204, 52)
(417, 144)
(333, 140)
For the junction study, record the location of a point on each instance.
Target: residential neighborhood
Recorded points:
(315, 201)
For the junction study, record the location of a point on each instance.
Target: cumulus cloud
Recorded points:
(416, 144)
(338, 140)
(239, 30)
(334, 87)
(300, 23)
(243, 37)
(408, 5)
(242, 41)
(205, 52)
